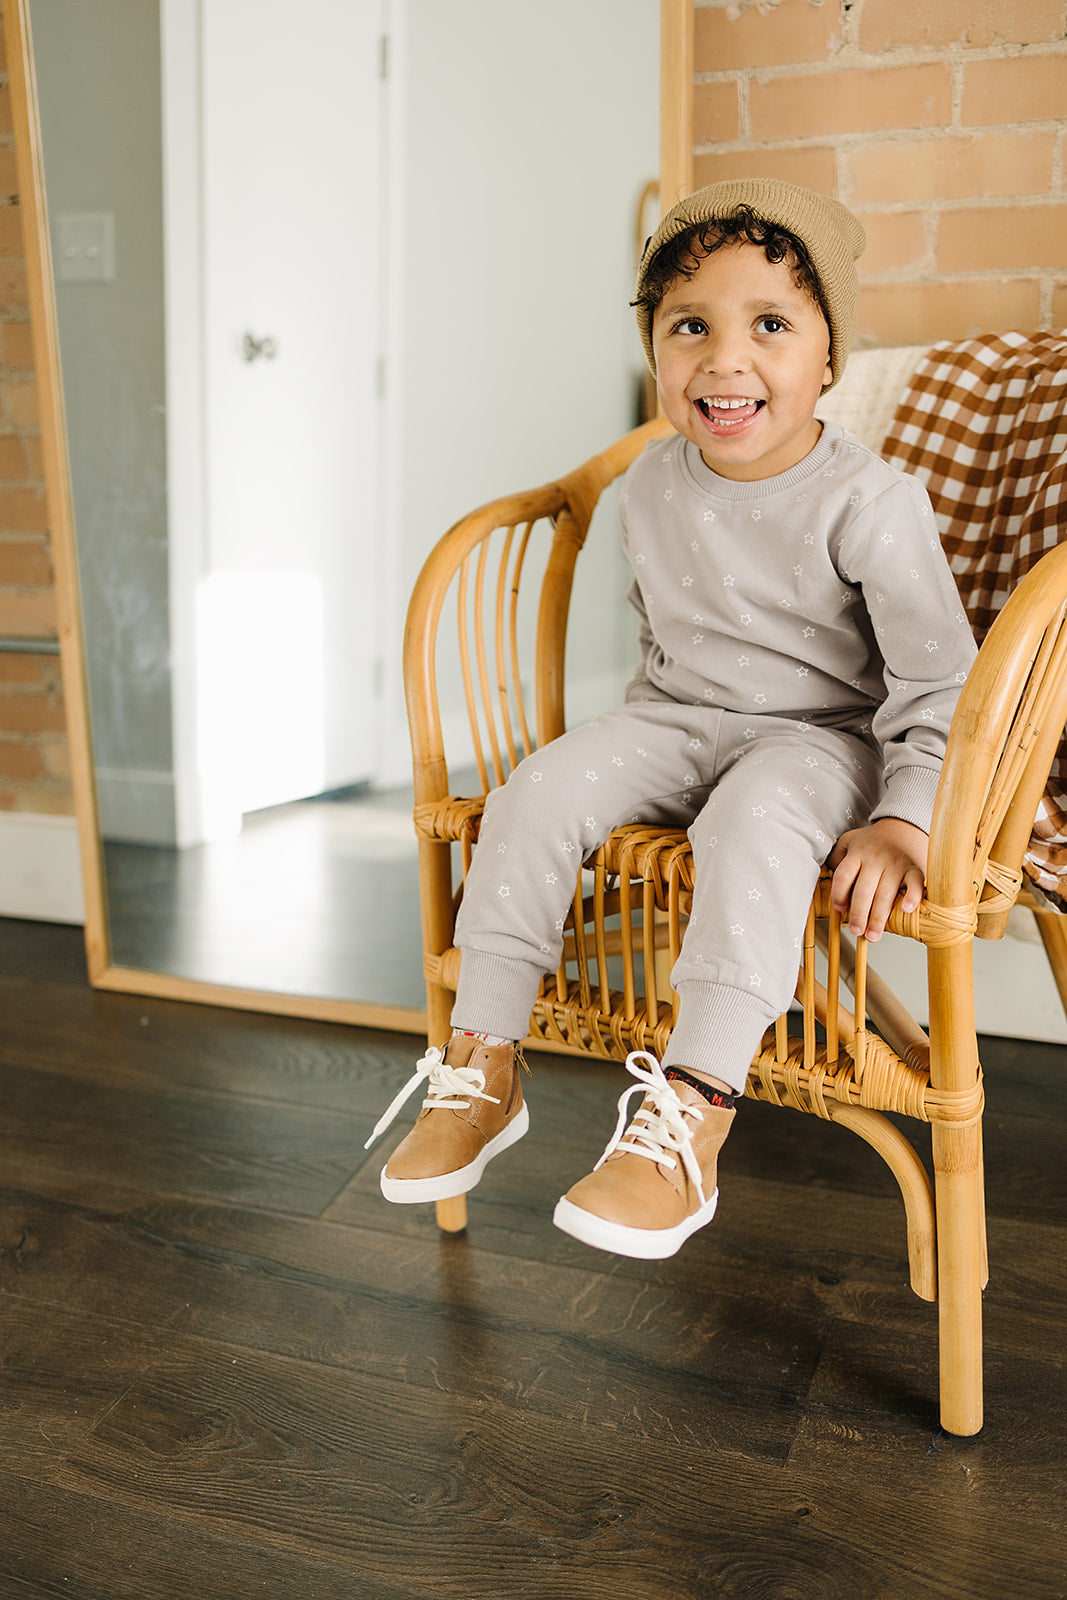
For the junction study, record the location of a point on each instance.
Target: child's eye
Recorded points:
(692, 325)
(771, 325)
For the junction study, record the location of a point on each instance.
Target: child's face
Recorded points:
(742, 355)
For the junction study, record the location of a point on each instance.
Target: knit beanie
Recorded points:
(831, 235)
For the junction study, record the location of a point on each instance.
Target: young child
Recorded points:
(802, 650)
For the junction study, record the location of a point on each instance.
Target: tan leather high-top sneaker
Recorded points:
(473, 1110)
(656, 1183)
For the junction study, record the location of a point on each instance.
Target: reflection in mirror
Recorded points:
(327, 277)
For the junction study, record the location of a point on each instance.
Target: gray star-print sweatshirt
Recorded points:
(821, 595)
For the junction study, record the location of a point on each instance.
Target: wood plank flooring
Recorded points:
(229, 1369)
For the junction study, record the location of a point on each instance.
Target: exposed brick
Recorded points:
(20, 761)
(909, 313)
(54, 799)
(13, 284)
(853, 101)
(716, 116)
(18, 397)
(1002, 236)
(813, 166)
(916, 24)
(9, 183)
(1015, 89)
(12, 458)
(950, 168)
(26, 671)
(23, 510)
(31, 713)
(57, 758)
(29, 614)
(31, 444)
(16, 345)
(794, 31)
(11, 231)
(894, 241)
(24, 561)
(1059, 306)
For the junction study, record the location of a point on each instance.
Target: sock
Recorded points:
(714, 1097)
(486, 1038)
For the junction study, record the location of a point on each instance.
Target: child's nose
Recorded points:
(724, 352)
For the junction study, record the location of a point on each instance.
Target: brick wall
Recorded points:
(942, 123)
(33, 744)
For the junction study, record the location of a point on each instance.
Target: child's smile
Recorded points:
(742, 355)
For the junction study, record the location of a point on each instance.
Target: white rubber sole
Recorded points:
(416, 1191)
(645, 1244)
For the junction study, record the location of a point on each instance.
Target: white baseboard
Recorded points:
(40, 868)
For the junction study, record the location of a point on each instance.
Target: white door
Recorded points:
(291, 119)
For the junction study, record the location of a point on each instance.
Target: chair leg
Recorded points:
(1052, 927)
(452, 1214)
(957, 1184)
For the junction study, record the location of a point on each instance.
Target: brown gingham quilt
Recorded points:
(984, 425)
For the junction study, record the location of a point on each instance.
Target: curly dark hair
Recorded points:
(681, 256)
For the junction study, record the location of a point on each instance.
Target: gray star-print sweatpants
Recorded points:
(763, 800)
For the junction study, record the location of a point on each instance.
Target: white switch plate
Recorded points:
(85, 247)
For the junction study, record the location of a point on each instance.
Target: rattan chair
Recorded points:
(858, 1054)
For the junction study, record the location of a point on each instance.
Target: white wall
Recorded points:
(521, 140)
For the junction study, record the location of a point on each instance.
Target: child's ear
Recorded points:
(828, 376)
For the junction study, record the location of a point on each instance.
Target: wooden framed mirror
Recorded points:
(421, 278)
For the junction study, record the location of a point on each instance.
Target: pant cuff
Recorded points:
(495, 994)
(718, 1031)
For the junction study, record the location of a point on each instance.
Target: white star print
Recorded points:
(810, 761)
(932, 645)
(809, 538)
(755, 980)
(697, 638)
(709, 516)
(783, 792)
(755, 894)
(746, 618)
(590, 822)
(695, 743)
(773, 861)
(695, 546)
(913, 573)
(760, 699)
(798, 569)
(503, 891)
(758, 811)
(808, 789)
(713, 841)
(887, 538)
(802, 672)
(559, 924)
(545, 950)
(592, 777)
(535, 777)
(961, 677)
(668, 494)
(550, 877)
(750, 733)
(742, 661)
(697, 620)
(640, 752)
(567, 847)
(928, 715)
(853, 499)
(639, 561)
(728, 581)
(709, 694)
(736, 929)
(785, 605)
(666, 457)
(756, 515)
(809, 633)
(880, 597)
(501, 849)
(617, 761)
(687, 582)
(821, 837)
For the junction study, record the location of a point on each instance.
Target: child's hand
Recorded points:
(871, 865)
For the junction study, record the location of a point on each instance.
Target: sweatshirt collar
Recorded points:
(707, 482)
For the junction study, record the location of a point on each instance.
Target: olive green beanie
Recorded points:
(831, 235)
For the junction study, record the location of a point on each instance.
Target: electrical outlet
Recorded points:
(85, 247)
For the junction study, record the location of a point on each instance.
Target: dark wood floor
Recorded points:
(229, 1369)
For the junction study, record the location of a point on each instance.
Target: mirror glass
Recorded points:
(328, 276)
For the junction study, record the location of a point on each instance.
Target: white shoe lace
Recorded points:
(450, 1089)
(660, 1131)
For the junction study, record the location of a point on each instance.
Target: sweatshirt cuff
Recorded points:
(910, 795)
